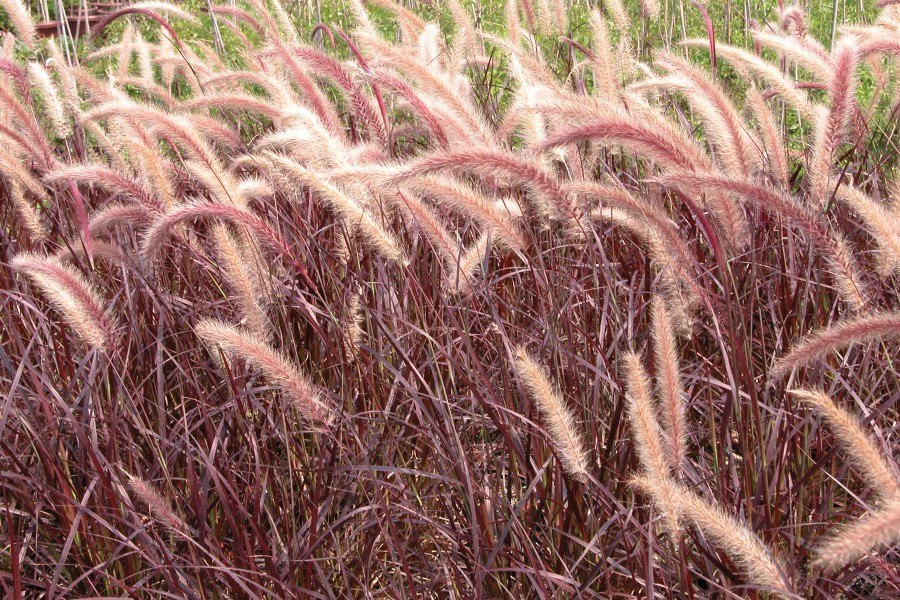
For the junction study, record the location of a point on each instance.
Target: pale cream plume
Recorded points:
(558, 418)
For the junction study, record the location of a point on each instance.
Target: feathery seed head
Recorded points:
(73, 296)
(276, 367)
(559, 419)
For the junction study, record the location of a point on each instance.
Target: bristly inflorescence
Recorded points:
(368, 216)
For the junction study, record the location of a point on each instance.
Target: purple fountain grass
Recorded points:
(659, 141)
(276, 367)
(410, 23)
(734, 537)
(793, 20)
(602, 61)
(679, 284)
(73, 296)
(104, 251)
(54, 108)
(177, 126)
(772, 138)
(649, 444)
(419, 105)
(363, 106)
(34, 139)
(20, 16)
(13, 168)
(846, 271)
(354, 215)
(266, 18)
(721, 118)
(307, 140)
(19, 77)
(878, 529)
(669, 387)
(793, 49)
(151, 91)
(237, 101)
(153, 167)
(27, 213)
(883, 223)
(496, 164)
(461, 278)
(530, 68)
(445, 243)
(465, 42)
(858, 444)
(240, 264)
(650, 8)
(228, 79)
(559, 419)
(859, 330)
(107, 178)
(656, 466)
(160, 508)
(437, 85)
(314, 96)
(749, 64)
(831, 129)
(151, 10)
(366, 226)
(67, 83)
(115, 214)
(241, 15)
(471, 203)
(617, 196)
(155, 236)
(352, 325)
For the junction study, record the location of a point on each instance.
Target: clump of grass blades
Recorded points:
(374, 226)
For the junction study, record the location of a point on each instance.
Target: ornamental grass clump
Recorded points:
(424, 299)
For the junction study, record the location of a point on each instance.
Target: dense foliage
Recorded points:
(389, 307)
